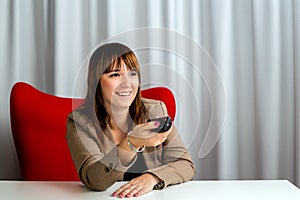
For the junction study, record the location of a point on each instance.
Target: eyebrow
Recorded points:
(117, 70)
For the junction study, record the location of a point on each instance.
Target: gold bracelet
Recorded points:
(140, 149)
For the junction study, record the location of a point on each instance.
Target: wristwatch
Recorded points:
(159, 185)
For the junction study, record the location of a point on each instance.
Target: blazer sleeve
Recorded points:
(177, 165)
(98, 171)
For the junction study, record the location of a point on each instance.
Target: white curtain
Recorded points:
(233, 66)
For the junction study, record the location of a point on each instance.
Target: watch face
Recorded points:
(159, 185)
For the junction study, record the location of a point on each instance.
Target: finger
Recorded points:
(139, 193)
(128, 192)
(152, 125)
(117, 192)
(120, 190)
(146, 126)
(134, 191)
(130, 189)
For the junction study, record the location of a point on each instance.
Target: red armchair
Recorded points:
(38, 123)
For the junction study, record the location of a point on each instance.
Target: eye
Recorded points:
(133, 73)
(114, 75)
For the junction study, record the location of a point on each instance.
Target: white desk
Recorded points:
(200, 190)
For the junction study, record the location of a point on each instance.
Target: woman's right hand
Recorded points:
(142, 135)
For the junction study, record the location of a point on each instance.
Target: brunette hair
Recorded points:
(105, 59)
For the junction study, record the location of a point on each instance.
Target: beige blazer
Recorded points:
(98, 165)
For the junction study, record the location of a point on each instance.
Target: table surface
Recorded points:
(200, 190)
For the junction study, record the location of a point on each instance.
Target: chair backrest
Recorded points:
(38, 123)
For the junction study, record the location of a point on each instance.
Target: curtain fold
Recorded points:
(250, 47)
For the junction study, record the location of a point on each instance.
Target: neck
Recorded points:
(119, 119)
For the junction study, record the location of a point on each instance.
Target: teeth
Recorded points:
(123, 93)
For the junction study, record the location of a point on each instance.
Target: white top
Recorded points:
(200, 190)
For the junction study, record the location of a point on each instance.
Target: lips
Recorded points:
(123, 94)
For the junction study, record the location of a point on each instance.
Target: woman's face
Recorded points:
(119, 87)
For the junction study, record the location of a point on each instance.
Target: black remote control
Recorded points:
(165, 124)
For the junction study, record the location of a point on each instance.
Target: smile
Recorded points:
(123, 93)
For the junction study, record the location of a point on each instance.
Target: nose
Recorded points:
(125, 81)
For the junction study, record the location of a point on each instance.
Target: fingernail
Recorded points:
(156, 123)
(129, 195)
(114, 194)
(121, 195)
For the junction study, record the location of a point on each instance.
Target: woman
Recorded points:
(109, 137)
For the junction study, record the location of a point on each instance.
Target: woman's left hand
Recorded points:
(137, 186)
